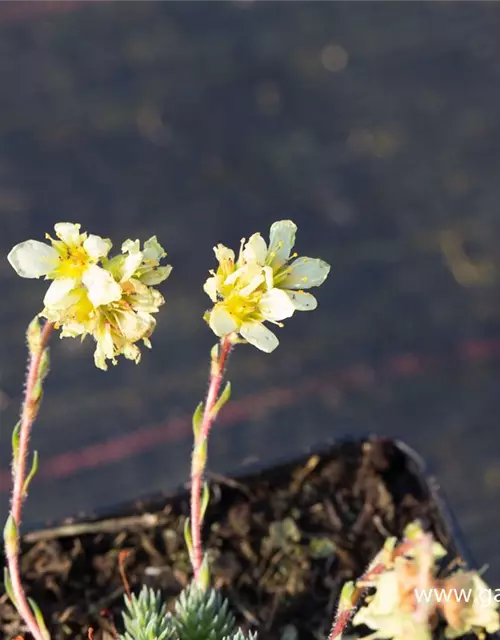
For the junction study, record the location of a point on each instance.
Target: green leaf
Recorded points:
(34, 336)
(221, 401)
(15, 442)
(146, 617)
(197, 420)
(205, 498)
(10, 536)
(201, 455)
(202, 614)
(203, 580)
(36, 393)
(8, 586)
(34, 469)
(39, 618)
(214, 352)
(44, 365)
(187, 536)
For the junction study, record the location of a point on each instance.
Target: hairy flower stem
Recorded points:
(198, 460)
(345, 615)
(28, 414)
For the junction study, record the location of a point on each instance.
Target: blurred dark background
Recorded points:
(374, 126)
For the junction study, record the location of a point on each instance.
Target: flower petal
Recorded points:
(225, 258)
(32, 259)
(105, 349)
(269, 276)
(72, 329)
(304, 273)
(255, 249)
(101, 286)
(134, 326)
(68, 232)
(210, 288)
(132, 352)
(131, 246)
(244, 275)
(97, 247)
(281, 241)
(257, 334)
(223, 253)
(153, 251)
(130, 265)
(302, 301)
(156, 276)
(221, 321)
(254, 284)
(276, 305)
(58, 294)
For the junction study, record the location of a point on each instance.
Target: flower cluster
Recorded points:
(265, 283)
(111, 299)
(409, 596)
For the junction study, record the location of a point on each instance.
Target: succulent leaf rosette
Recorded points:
(265, 284)
(111, 299)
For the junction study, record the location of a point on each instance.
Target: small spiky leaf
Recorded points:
(203, 615)
(146, 617)
(239, 635)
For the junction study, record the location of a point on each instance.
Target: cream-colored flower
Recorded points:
(119, 325)
(69, 261)
(142, 265)
(287, 272)
(261, 286)
(112, 301)
(393, 611)
(385, 616)
(479, 613)
(408, 595)
(117, 331)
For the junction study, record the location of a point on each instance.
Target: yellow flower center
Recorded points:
(73, 263)
(242, 308)
(83, 310)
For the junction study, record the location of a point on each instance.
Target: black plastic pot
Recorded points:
(257, 498)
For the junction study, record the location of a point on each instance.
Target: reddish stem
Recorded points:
(198, 467)
(28, 415)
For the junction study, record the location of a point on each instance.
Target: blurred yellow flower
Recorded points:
(112, 301)
(262, 285)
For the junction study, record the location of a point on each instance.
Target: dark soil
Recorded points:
(282, 543)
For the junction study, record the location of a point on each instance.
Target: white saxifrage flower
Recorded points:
(261, 286)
